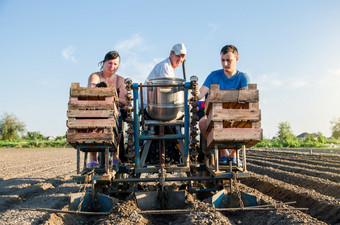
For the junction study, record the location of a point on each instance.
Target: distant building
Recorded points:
(305, 135)
(51, 138)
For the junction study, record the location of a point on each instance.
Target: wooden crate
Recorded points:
(233, 117)
(92, 116)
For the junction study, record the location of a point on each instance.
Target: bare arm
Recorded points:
(202, 92)
(122, 91)
(94, 79)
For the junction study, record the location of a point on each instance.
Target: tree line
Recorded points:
(285, 138)
(11, 128)
(12, 135)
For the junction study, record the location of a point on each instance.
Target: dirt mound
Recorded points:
(204, 214)
(124, 213)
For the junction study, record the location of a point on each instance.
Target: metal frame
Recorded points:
(106, 155)
(139, 137)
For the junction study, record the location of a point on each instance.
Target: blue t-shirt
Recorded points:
(239, 80)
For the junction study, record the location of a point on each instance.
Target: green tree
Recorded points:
(321, 139)
(335, 123)
(285, 136)
(310, 142)
(285, 132)
(58, 138)
(10, 127)
(35, 136)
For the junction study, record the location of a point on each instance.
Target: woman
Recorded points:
(109, 67)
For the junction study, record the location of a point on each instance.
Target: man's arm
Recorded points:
(202, 92)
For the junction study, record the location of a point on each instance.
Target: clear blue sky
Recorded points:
(291, 49)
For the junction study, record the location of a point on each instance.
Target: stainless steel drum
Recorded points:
(165, 103)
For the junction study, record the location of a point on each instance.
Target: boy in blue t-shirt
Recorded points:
(228, 78)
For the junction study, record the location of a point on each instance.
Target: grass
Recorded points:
(34, 144)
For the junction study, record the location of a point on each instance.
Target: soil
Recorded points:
(42, 178)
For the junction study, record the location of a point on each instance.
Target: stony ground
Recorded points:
(42, 178)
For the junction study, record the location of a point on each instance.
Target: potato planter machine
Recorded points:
(157, 156)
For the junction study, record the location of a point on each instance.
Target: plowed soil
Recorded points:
(42, 178)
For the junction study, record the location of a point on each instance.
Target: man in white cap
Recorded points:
(167, 67)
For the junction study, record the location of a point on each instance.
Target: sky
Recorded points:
(290, 49)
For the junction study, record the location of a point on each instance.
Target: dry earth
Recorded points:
(42, 178)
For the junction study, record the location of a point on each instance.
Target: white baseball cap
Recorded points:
(179, 49)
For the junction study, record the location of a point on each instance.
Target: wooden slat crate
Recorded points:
(92, 137)
(233, 117)
(92, 116)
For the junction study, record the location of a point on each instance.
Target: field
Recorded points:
(42, 178)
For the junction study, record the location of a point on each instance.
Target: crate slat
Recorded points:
(91, 123)
(77, 91)
(234, 115)
(90, 113)
(247, 136)
(76, 104)
(76, 139)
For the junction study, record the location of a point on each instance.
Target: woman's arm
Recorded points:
(122, 91)
(94, 79)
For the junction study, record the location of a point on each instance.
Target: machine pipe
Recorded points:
(166, 179)
(161, 85)
(162, 137)
(186, 122)
(136, 124)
